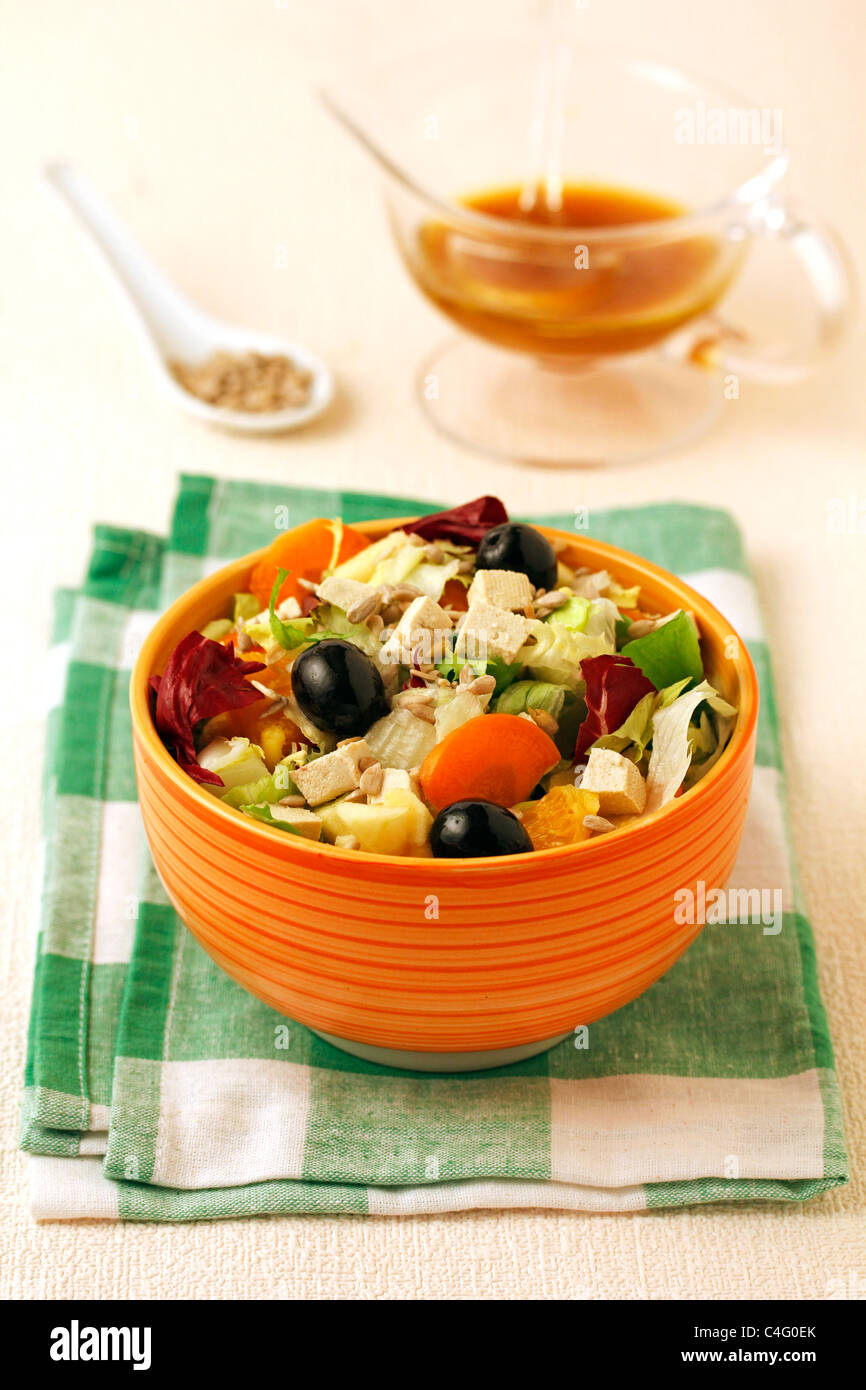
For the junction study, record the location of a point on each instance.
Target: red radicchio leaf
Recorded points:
(467, 525)
(202, 679)
(613, 687)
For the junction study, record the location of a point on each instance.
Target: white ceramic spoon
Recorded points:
(173, 328)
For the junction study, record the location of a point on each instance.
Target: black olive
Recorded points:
(513, 546)
(338, 687)
(472, 829)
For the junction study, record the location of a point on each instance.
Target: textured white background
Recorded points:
(199, 121)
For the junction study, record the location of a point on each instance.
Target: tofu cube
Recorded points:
(288, 609)
(487, 632)
(423, 625)
(344, 593)
(616, 781)
(338, 772)
(501, 589)
(307, 823)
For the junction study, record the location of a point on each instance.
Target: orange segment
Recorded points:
(557, 818)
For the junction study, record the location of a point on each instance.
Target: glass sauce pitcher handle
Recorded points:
(825, 266)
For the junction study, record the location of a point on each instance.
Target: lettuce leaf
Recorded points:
(601, 621)
(202, 679)
(572, 614)
(613, 687)
(557, 652)
(634, 735)
(286, 634)
(669, 653)
(671, 750)
(467, 525)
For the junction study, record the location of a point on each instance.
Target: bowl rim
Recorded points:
(257, 832)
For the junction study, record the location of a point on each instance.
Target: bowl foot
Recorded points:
(560, 416)
(440, 1061)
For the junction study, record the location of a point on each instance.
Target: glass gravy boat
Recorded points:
(593, 343)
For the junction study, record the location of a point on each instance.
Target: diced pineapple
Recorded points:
(378, 829)
(362, 565)
(307, 823)
(419, 823)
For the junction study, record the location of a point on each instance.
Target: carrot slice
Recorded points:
(496, 757)
(305, 552)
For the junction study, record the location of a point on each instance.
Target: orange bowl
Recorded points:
(433, 956)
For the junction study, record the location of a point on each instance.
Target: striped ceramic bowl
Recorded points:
(444, 964)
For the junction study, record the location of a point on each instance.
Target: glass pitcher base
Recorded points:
(608, 412)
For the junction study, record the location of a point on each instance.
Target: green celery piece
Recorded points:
(503, 673)
(524, 695)
(567, 708)
(669, 654)
(263, 813)
(270, 788)
(573, 614)
(218, 629)
(244, 606)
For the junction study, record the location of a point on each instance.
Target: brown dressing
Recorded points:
(570, 297)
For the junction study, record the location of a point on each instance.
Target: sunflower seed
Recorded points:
(598, 823)
(292, 800)
(424, 712)
(482, 685)
(372, 778)
(545, 721)
(364, 608)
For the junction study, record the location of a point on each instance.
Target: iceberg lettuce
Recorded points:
(556, 653)
(671, 750)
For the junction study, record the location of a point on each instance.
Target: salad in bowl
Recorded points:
(452, 689)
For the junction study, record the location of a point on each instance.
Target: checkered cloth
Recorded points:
(157, 1089)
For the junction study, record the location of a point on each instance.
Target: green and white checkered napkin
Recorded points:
(157, 1089)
